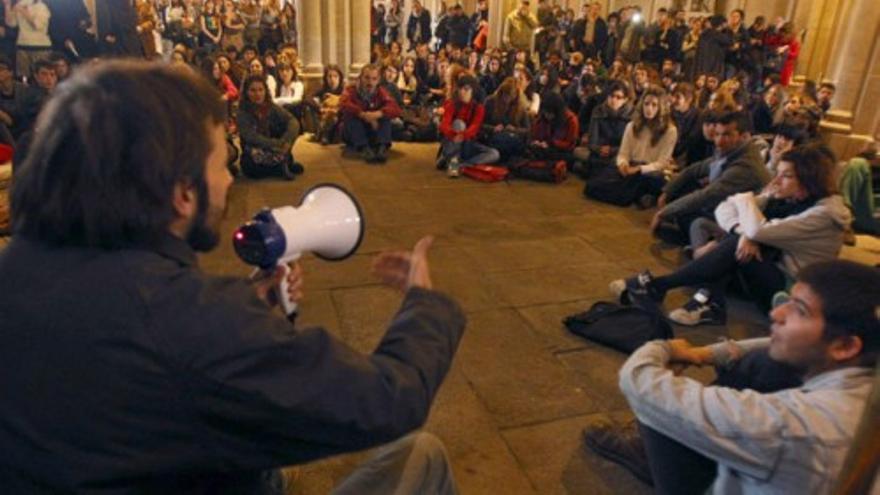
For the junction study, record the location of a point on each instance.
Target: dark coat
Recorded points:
(743, 171)
(146, 375)
(711, 50)
(69, 21)
(690, 130)
(458, 30)
(423, 20)
(600, 37)
(607, 126)
(118, 18)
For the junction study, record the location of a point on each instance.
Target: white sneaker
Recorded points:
(453, 169)
(617, 287)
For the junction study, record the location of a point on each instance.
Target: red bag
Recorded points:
(541, 170)
(485, 173)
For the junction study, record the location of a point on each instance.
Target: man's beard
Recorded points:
(204, 234)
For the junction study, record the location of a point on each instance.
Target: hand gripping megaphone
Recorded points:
(328, 222)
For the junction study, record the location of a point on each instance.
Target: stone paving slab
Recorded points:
(563, 465)
(517, 384)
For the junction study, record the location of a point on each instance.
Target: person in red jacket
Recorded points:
(367, 110)
(462, 120)
(555, 132)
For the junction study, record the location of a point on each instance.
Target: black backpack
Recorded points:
(624, 328)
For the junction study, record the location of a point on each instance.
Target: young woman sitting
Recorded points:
(554, 134)
(289, 93)
(461, 123)
(607, 124)
(798, 219)
(645, 156)
(322, 108)
(267, 133)
(506, 125)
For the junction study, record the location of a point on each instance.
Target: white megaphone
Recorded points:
(328, 223)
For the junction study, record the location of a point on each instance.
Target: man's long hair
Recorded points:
(108, 151)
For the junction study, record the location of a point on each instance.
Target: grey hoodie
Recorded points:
(815, 234)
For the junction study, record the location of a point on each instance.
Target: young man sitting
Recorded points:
(757, 430)
(367, 110)
(735, 167)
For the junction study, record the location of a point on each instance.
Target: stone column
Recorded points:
(309, 33)
(359, 34)
(852, 51)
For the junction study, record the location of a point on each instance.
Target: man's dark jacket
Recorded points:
(414, 21)
(743, 171)
(132, 371)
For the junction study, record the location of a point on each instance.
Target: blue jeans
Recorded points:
(358, 134)
(469, 152)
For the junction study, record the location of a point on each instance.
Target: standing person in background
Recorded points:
(147, 20)
(393, 20)
(739, 36)
(755, 55)
(233, 27)
(480, 16)
(288, 22)
(689, 49)
(418, 27)
(251, 13)
(519, 28)
(712, 48)
(69, 28)
(270, 26)
(590, 32)
(31, 17)
(457, 27)
(211, 25)
(117, 29)
(788, 47)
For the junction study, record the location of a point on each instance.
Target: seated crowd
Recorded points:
(696, 118)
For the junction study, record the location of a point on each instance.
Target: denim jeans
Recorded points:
(469, 152)
(358, 133)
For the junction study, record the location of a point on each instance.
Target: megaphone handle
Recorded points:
(290, 307)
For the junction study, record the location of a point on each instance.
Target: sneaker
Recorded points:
(700, 310)
(381, 154)
(287, 171)
(296, 168)
(454, 169)
(368, 154)
(620, 443)
(636, 290)
(646, 202)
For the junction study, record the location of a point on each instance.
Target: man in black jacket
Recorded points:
(117, 29)
(590, 32)
(129, 370)
(418, 27)
(457, 27)
(70, 28)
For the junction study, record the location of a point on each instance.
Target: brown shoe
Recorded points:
(620, 443)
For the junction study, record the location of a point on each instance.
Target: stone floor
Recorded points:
(519, 257)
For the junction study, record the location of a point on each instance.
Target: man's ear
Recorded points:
(845, 348)
(185, 200)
